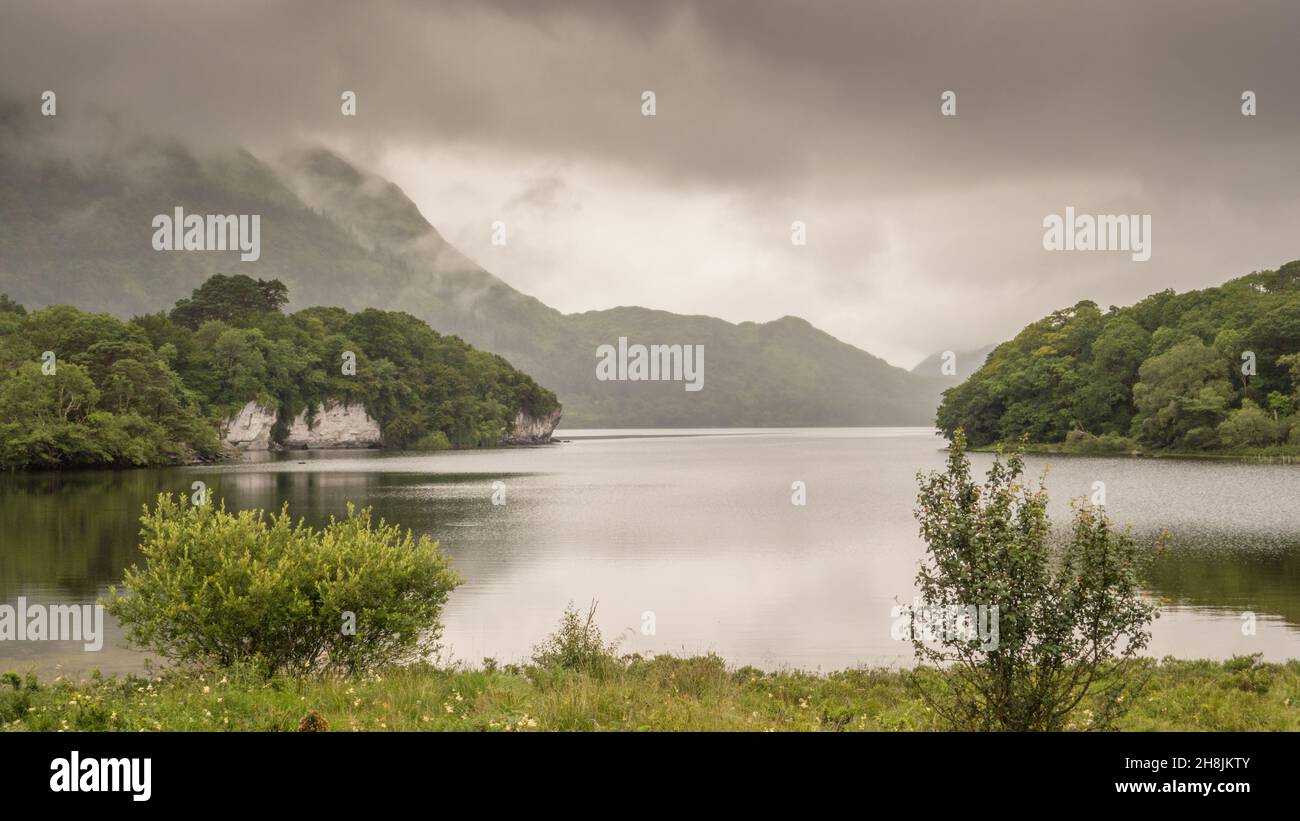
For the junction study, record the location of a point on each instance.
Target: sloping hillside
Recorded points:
(77, 230)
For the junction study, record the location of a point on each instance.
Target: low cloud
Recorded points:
(923, 230)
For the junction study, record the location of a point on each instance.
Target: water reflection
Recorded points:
(697, 529)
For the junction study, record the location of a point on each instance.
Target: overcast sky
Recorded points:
(924, 232)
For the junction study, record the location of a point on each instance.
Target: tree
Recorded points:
(1280, 405)
(1068, 623)
(1292, 363)
(1080, 370)
(45, 415)
(154, 390)
(1249, 426)
(1271, 337)
(1104, 399)
(32, 396)
(230, 299)
(1231, 344)
(8, 306)
(1182, 389)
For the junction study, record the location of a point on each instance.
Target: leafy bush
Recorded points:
(1070, 622)
(224, 589)
(1200, 438)
(437, 440)
(577, 645)
(1250, 426)
(1245, 673)
(1080, 441)
(16, 696)
(694, 676)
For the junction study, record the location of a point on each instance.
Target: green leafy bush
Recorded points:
(1250, 426)
(1080, 441)
(223, 588)
(16, 696)
(437, 440)
(577, 645)
(1070, 619)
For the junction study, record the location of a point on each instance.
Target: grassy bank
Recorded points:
(1280, 454)
(666, 693)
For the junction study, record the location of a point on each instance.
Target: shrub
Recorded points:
(694, 676)
(248, 588)
(577, 645)
(437, 440)
(1249, 426)
(1070, 622)
(1200, 438)
(16, 696)
(1080, 441)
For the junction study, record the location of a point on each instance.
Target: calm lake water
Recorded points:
(696, 527)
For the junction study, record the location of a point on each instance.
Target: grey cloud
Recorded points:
(1108, 106)
(748, 91)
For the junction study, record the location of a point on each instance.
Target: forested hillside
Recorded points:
(338, 235)
(1209, 370)
(154, 389)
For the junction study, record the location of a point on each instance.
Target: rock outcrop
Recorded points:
(335, 426)
(250, 429)
(531, 430)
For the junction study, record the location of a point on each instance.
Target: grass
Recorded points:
(663, 693)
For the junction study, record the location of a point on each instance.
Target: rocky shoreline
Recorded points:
(341, 426)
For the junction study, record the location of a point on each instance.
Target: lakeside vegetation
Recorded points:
(267, 624)
(663, 693)
(81, 388)
(1100, 446)
(1214, 371)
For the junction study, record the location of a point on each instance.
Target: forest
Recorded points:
(1212, 370)
(80, 388)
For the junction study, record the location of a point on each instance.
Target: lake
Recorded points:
(693, 530)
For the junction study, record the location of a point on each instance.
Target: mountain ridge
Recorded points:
(338, 234)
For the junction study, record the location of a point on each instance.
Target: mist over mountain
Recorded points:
(966, 362)
(77, 230)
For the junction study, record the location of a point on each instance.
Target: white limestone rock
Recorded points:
(531, 430)
(336, 425)
(250, 429)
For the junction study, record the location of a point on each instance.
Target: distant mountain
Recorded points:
(966, 362)
(77, 230)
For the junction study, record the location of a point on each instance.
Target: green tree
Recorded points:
(1280, 405)
(159, 386)
(1231, 344)
(1249, 426)
(1103, 402)
(1078, 370)
(8, 306)
(230, 299)
(1183, 389)
(1070, 622)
